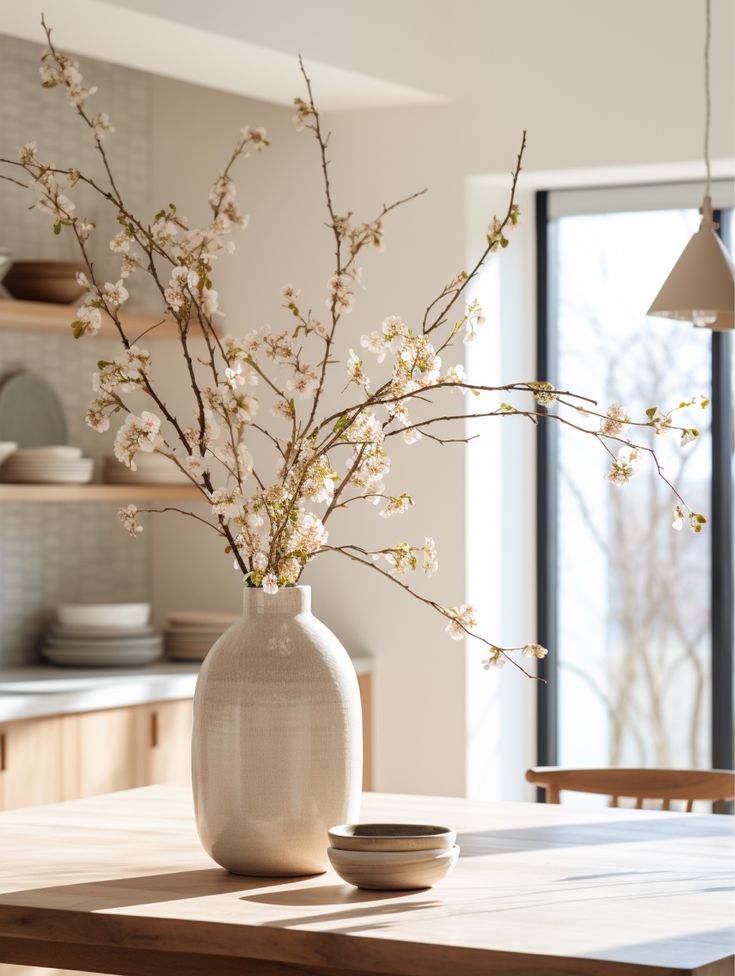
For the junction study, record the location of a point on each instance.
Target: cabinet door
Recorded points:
(365, 682)
(164, 742)
(100, 754)
(30, 763)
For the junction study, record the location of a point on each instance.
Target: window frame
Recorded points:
(547, 506)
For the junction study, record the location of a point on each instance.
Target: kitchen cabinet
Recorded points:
(64, 757)
(31, 762)
(100, 752)
(163, 737)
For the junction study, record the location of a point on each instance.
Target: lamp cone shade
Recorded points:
(701, 286)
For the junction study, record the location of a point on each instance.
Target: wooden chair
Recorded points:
(715, 785)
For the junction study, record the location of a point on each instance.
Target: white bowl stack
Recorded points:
(152, 469)
(190, 634)
(392, 857)
(57, 464)
(102, 635)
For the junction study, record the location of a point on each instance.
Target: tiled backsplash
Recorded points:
(52, 553)
(29, 112)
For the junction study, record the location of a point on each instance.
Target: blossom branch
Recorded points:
(356, 552)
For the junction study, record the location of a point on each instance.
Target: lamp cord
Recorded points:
(707, 96)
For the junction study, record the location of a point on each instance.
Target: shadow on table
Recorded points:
(145, 889)
(385, 903)
(478, 843)
(178, 886)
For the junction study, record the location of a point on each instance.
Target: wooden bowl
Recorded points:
(391, 837)
(393, 870)
(44, 281)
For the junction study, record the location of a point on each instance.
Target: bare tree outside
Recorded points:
(634, 594)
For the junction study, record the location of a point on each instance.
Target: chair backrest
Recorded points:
(641, 784)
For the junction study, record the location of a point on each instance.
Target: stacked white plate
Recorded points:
(48, 465)
(189, 634)
(102, 635)
(155, 469)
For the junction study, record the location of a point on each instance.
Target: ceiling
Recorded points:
(250, 48)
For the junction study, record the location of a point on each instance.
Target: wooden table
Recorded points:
(119, 884)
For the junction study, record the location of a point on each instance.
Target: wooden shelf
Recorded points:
(46, 317)
(99, 493)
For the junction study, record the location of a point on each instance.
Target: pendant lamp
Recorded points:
(701, 286)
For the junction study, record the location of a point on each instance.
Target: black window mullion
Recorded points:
(722, 549)
(546, 504)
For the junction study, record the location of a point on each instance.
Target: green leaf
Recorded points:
(78, 328)
(57, 227)
(651, 412)
(704, 404)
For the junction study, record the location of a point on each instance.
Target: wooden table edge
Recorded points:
(128, 949)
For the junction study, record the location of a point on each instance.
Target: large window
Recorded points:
(638, 617)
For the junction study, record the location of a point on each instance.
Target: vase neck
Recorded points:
(288, 601)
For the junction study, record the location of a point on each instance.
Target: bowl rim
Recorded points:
(398, 857)
(419, 831)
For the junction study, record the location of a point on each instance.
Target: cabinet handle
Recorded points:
(154, 729)
(3, 752)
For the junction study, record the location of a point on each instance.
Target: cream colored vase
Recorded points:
(277, 741)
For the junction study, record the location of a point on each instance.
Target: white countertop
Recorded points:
(44, 690)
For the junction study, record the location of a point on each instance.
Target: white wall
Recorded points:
(596, 84)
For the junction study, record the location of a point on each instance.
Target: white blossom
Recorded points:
(116, 294)
(356, 372)
(430, 565)
(120, 242)
(462, 617)
(624, 466)
(616, 421)
(270, 583)
(227, 502)
(534, 650)
(128, 517)
(136, 434)
(91, 318)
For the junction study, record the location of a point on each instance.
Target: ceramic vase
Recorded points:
(277, 739)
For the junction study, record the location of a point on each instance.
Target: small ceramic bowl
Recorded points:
(391, 837)
(393, 870)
